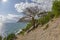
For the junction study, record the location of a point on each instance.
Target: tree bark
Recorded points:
(33, 22)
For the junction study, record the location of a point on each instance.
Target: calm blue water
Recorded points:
(8, 28)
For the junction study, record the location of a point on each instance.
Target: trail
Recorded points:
(52, 33)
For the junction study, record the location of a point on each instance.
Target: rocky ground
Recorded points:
(51, 33)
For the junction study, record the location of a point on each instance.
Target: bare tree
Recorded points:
(33, 12)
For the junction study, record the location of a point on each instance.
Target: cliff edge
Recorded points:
(51, 33)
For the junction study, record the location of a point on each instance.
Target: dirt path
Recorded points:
(52, 33)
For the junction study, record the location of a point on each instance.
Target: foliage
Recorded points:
(56, 8)
(0, 38)
(55, 13)
(26, 28)
(22, 32)
(5, 38)
(46, 18)
(43, 20)
(11, 37)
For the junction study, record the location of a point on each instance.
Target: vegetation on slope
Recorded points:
(26, 28)
(43, 20)
(10, 37)
(56, 8)
(0, 38)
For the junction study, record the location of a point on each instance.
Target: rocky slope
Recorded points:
(51, 33)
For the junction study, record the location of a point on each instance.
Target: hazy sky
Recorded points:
(10, 10)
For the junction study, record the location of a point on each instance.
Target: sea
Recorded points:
(9, 28)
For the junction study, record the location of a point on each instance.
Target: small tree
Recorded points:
(33, 12)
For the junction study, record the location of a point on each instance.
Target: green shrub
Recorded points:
(5, 38)
(22, 32)
(26, 28)
(11, 37)
(0, 38)
(56, 8)
(51, 15)
(46, 18)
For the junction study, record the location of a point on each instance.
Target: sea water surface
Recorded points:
(8, 28)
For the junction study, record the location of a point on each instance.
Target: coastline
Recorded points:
(18, 32)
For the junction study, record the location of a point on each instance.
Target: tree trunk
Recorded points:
(34, 25)
(33, 22)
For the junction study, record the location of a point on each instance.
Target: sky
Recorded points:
(11, 10)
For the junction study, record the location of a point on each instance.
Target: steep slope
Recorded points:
(51, 33)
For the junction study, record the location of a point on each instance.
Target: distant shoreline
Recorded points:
(18, 32)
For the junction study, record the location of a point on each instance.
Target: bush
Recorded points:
(5, 38)
(22, 32)
(46, 18)
(0, 38)
(26, 28)
(11, 37)
(56, 8)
